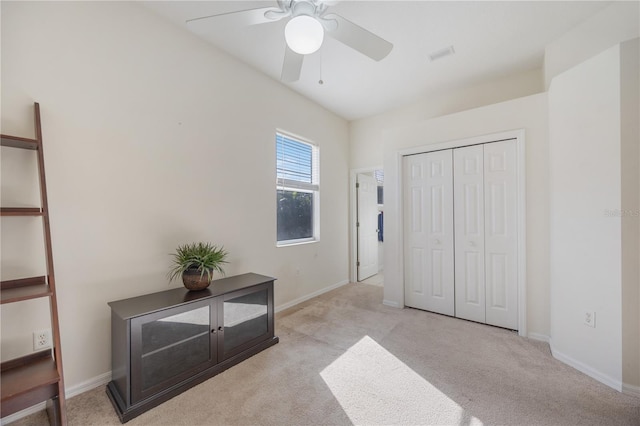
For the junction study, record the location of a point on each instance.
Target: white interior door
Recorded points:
(501, 236)
(367, 202)
(468, 192)
(428, 222)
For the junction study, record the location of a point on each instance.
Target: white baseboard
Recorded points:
(539, 337)
(310, 296)
(70, 392)
(631, 390)
(586, 369)
(87, 385)
(391, 303)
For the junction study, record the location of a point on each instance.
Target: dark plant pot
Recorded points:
(194, 280)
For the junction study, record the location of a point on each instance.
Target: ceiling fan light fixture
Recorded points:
(304, 34)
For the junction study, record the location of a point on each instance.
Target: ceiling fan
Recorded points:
(308, 22)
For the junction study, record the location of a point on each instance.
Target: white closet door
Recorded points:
(469, 225)
(501, 237)
(428, 222)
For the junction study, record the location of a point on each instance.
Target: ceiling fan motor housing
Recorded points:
(305, 7)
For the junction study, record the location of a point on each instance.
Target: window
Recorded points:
(297, 190)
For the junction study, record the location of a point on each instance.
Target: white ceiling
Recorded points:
(491, 40)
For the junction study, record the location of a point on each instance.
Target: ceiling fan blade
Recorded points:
(239, 18)
(276, 15)
(358, 38)
(292, 66)
(328, 24)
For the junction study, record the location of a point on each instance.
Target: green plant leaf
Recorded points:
(205, 257)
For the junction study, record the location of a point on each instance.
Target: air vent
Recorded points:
(439, 54)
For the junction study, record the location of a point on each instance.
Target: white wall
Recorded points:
(154, 138)
(630, 161)
(528, 113)
(367, 135)
(614, 24)
(585, 182)
(617, 23)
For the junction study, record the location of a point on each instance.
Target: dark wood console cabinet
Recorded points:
(164, 343)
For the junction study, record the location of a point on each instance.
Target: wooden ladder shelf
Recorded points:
(37, 377)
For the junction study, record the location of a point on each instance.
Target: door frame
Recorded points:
(519, 136)
(353, 218)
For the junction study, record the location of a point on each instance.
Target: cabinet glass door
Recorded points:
(246, 319)
(173, 345)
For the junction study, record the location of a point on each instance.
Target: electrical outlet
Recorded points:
(590, 318)
(41, 339)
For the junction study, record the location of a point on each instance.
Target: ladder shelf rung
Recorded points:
(21, 211)
(27, 381)
(18, 142)
(24, 289)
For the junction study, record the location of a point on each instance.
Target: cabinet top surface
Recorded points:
(146, 304)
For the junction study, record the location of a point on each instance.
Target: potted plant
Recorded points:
(196, 262)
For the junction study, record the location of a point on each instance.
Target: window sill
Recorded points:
(296, 242)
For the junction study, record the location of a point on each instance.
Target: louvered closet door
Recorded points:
(501, 238)
(469, 232)
(428, 222)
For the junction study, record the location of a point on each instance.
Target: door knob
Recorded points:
(438, 241)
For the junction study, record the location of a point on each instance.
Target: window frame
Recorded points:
(297, 186)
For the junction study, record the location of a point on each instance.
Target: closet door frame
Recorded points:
(519, 137)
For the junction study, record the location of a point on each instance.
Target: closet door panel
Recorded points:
(428, 223)
(501, 238)
(469, 232)
(415, 231)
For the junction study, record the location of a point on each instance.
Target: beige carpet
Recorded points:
(377, 279)
(344, 358)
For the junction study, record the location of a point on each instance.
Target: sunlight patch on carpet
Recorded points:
(375, 387)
